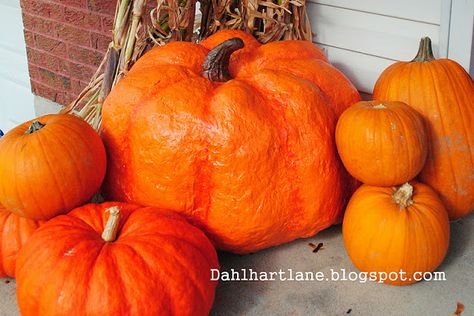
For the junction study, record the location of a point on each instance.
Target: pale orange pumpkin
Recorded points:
(387, 229)
(443, 93)
(382, 143)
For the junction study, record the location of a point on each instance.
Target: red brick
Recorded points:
(107, 24)
(73, 3)
(77, 86)
(52, 79)
(82, 19)
(35, 57)
(85, 56)
(29, 38)
(44, 91)
(38, 25)
(72, 34)
(64, 98)
(61, 97)
(100, 41)
(102, 6)
(43, 8)
(52, 46)
(47, 61)
(80, 71)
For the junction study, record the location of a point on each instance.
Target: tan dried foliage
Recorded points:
(139, 26)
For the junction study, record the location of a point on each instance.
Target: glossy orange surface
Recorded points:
(251, 161)
(382, 236)
(382, 143)
(158, 264)
(51, 170)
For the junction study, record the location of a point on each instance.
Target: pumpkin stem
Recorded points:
(110, 230)
(425, 52)
(216, 64)
(403, 195)
(35, 126)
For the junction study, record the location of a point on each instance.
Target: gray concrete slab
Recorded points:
(332, 298)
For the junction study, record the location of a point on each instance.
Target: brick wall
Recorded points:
(66, 41)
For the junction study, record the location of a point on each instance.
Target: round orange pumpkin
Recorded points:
(14, 232)
(116, 259)
(240, 140)
(382, 143)
(442, 91)
(50, 165)
(386, 230)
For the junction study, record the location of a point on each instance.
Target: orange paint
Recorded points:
(157, 264)
(252, 161)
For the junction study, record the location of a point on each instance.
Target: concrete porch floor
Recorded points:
(332, 298)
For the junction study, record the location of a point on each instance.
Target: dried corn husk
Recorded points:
(137, 28)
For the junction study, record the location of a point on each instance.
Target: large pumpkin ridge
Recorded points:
(194, 146)
(119, 276)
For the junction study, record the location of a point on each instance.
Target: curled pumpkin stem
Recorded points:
(216, 65)
(425, 52)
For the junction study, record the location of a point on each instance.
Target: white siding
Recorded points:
(17, 99)
(363, 37)
(461, 32)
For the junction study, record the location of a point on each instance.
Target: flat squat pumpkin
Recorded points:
(116, 259)
(236, 135)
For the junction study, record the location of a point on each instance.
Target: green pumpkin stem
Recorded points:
(403, 195)
(425, 52)
(216, 64)
(111, 227)
(34, 127)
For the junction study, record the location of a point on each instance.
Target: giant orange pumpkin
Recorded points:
(236, 135)
(387, 229)
(442, 91)
(50, 165)
(382, 143)
(14, 232)
(116, 259)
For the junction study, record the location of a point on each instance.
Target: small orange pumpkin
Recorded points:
(116, 259)
(14, 232)
(236, 135)
(386, 230)
(382, 143)
(50, 165)
(443, 93)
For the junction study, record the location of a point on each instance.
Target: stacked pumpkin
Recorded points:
(393, 222)
(131, 255)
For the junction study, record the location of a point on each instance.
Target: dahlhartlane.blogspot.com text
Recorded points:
(320, 276)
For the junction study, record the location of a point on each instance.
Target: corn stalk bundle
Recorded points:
(139, 26)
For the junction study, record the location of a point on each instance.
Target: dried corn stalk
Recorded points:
(267, 20)
(135, 31)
